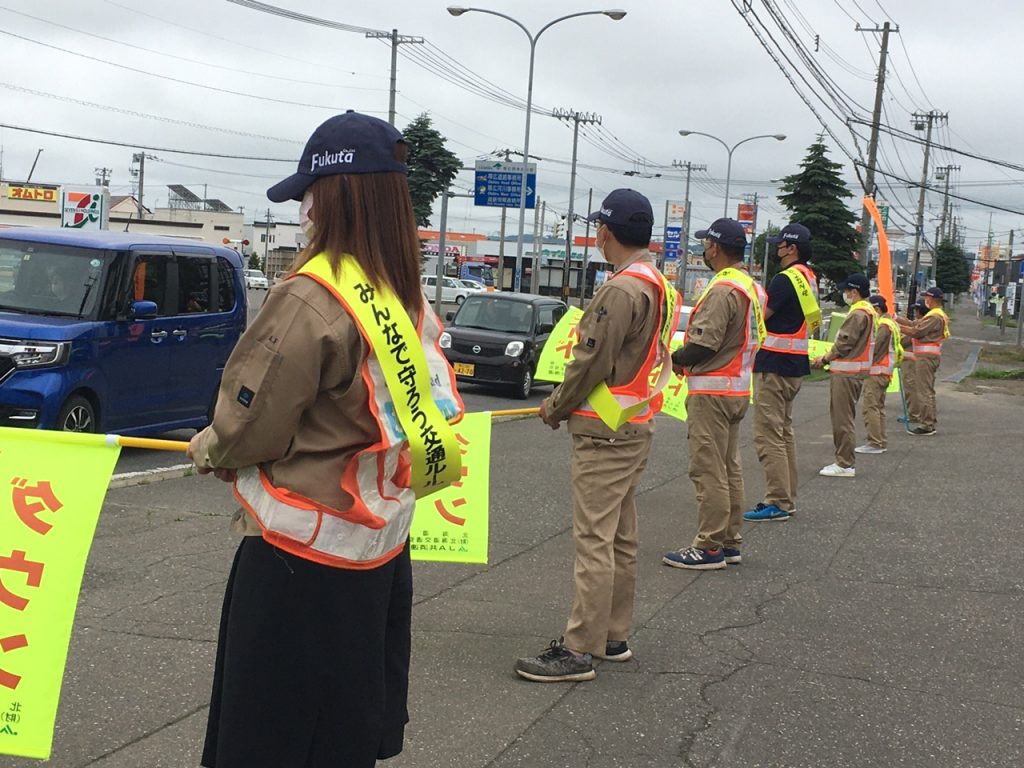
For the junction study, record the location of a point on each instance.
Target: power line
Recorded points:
(930, 188)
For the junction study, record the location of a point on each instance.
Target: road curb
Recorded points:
(129, 479)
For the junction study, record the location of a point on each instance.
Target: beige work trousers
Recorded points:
(874, 409)
(844, 391)
(925, 368)
(908, 377)
(773, 436)
(713, 438)
(605, 474)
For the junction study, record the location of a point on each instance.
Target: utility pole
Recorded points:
(876, 116)
(140, 174)
(577, 118)
(103, 177)
(919, 124)
(266, 240)
(1007, 311)
(501, 243)
(684, 241)
(396, 40)
(752, 199)
(538, 244)
(33, 168)
(943, 172)
(586, 250)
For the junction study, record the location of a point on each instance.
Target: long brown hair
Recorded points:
(370, 217)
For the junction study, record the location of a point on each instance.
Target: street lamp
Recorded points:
(455, 10)
(728, 171)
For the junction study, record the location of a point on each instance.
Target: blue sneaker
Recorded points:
(695, 559)
(766, 512)
(732, 556)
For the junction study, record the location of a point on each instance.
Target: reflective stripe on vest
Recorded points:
(862, 362)
(733, 378)
(411, 390)
(640, 399)
(887, 364)
(932, 347)
(805, 285)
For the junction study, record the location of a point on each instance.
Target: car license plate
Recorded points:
(464, 369)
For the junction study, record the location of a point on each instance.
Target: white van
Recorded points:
(452, 291)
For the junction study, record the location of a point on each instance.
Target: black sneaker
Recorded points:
(557, 665)
(919, 431)
(616, 650)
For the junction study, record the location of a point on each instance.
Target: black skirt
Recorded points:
(312, 663)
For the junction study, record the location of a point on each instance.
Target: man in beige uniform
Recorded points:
(926, 337)
(718, 361)
(615, 337)
(877, 382)
(849, 361)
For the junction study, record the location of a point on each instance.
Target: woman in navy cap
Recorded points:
(333, 415)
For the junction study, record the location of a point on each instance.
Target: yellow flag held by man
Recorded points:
(54, 484)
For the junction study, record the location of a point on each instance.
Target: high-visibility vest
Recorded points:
(412, 397)
(640, 398)
(733, 378)
(806, 286)
(932, 347)
(862, 362)
(893, 355)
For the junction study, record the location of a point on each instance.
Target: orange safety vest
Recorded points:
(862, 362)
(378, 478)
(733, 378)
(641, 386)
(932, 347)
(793, 343)
(887, 364)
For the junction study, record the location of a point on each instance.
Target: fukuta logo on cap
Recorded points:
(606, 211)
(325, 159)
(791, 236)
(713, 233)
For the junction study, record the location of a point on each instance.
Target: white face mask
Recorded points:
(306, 224)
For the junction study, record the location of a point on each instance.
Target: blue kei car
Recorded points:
(114, 331)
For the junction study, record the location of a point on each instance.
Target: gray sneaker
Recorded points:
(868, 448)
(557, 665)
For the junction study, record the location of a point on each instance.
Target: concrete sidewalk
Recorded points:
(880, 626)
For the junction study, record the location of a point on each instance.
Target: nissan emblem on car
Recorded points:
(476, 349)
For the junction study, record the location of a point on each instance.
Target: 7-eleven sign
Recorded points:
(84, 208)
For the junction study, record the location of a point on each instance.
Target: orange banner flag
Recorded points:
(884, 257)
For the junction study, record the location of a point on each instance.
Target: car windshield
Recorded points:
(46, 279)
(495, 314)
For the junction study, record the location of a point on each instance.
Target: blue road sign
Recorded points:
(672, 235)
(497, 184)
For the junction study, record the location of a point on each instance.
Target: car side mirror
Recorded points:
(141, 310)
(449, 316)
(545, 328)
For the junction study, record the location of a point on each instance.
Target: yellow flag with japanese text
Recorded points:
(451, 525)
(53, 484)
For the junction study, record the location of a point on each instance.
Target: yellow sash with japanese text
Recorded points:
(385, 324)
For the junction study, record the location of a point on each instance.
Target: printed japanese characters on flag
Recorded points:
(557, 350)
(53, 484)
(451, 525)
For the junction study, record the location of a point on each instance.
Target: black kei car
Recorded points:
(496, 338)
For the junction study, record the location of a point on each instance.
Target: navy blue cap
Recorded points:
(724, 231)
(859, 283)
(348, 143)
(626, 208)
(878, 300)
(791, 233)
(935, 292)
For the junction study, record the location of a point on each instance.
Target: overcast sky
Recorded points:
(669, 64)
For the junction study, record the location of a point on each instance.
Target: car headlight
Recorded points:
(444, 341)
(33, 354)
(514, 349)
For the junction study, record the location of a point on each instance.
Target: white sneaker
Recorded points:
(834, 470)
(868, 448)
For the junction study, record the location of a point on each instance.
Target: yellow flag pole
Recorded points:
(182, 446)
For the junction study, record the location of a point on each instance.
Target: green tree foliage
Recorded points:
(431, 166)
(758, 255)
(255, 262)
(814, 197)
(952, 268)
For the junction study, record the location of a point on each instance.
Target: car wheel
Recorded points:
(523, 388)
(77, 415)
(459, 299)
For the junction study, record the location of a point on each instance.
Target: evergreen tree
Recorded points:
(814, 197)
(431, 166)
(952, 269)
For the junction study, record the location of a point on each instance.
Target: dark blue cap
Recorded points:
(348, 143)
(724, 231)
(859, 283)
(878, 300)
(935, 292)
(791, 233)
(625, 208)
